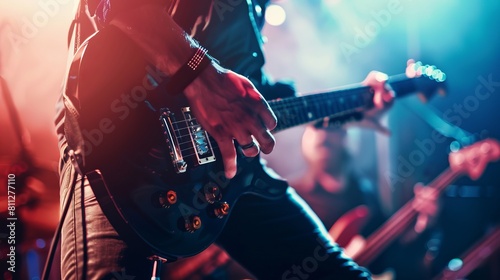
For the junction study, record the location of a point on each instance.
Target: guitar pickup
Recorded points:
(171, 133)
(199, 138)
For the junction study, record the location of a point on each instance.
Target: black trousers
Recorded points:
(273, 239)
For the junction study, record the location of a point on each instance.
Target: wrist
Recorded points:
(208, 78)
(189, 71)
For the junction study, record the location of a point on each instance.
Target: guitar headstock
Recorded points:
(429, 79)
(472, 160)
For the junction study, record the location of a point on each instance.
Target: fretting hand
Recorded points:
(383, 97)
(426, 204)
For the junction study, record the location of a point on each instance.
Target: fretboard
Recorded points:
(294, 111)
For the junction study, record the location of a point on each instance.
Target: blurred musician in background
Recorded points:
(334, 188)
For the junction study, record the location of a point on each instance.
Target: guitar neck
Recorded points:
(294, 111)
(378, 241)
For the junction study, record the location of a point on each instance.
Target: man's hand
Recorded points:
(383, 98)
(426, 204)
(229, 107)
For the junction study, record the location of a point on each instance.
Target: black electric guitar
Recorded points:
(169, 194)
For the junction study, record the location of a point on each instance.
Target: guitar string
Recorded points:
(196, 126)
(299, 105)
(300, 111)
(321, 105)
(212, 143)
(304, 105)
(400, 220)
(295, 103)
(298, 102)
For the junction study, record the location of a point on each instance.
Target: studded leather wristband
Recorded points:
(189, 71)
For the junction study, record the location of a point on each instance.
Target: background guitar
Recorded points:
(470, 161)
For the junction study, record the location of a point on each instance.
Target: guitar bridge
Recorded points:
(199, 138)
(170, 130)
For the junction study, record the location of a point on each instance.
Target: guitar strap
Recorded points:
(82, 27)
(72, 133)
(72, 129)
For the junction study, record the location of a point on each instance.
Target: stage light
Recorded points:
(455, 264)
(455, 146)
(275, 15)
(40, 243)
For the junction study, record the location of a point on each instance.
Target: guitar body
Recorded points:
(349, 225)
(168, 195)
(132, 204)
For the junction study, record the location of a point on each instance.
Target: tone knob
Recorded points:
(168, 199)
(221, 210)
(192, 223)
(212, 193)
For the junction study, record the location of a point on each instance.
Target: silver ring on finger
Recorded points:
(248, 146)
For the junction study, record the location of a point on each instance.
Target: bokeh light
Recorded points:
(275, 15)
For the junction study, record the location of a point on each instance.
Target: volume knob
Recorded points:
(192, 224)
(168, 199)
(221, 210)
(212, 192)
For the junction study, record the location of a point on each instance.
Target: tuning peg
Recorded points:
(417, 69)
(472, 160)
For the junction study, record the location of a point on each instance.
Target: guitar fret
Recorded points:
(317, 111)
(303, 113)
(294, 111)
(295, 116)
(323, 111)
(308, 110)
(350, 102)
(328, 105)
(310, 115)
(315, 108)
